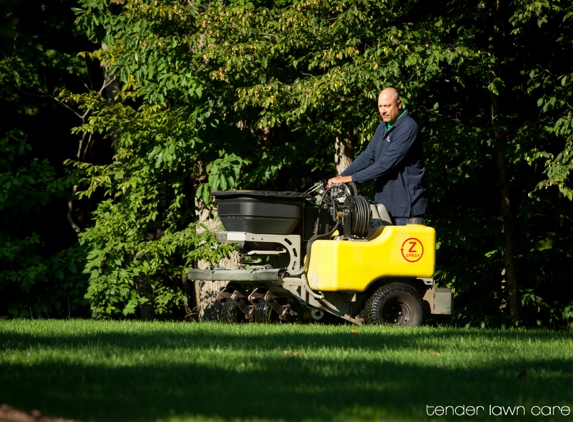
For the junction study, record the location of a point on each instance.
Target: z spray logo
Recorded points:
(412, 250)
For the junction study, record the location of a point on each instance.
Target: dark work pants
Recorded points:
(401, 221)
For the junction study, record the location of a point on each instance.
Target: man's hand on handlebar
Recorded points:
(338, 180)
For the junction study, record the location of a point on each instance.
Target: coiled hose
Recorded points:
(361, 215)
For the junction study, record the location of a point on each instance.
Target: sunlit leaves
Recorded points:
(250, 94)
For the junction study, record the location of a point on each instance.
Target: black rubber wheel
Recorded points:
(264, 314)
(231, 314)
(394, 304)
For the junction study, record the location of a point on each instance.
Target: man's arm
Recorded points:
(397, 150)
(366, 157)
(364, 160)
(338, 179)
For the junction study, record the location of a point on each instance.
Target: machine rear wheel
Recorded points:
(264, 314)
(231, 314)
(394, 304)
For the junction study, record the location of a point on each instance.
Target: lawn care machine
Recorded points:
(324, 254)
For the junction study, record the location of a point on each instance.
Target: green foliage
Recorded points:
(41, 287)
(143, 240)
(553, 89)
(36, 285)
(223, 173)
(127, 270)
(254, 94)
(145, 236)
(40, 261)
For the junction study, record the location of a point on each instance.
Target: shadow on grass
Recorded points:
(278, 386)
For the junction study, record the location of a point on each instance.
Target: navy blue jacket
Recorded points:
(395, 160)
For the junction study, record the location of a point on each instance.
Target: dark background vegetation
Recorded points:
(172, 99)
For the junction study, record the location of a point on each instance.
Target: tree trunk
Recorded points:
(206, 292)
(501, 162)
(78, 212)
(506, 215)
(144, 289)
(343, 151)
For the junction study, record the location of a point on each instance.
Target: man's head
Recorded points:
(389, 105)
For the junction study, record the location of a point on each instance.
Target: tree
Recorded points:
(241, 93)
(40, 259)
(145, 235)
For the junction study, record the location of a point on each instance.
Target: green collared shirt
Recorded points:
(389, 127)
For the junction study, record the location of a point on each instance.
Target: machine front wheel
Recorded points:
(231, 314)
(394, 304)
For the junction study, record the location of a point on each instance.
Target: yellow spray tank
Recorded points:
(392, 251)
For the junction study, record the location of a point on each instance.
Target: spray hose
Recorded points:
(308, 245)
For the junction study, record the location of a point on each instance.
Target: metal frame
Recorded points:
(290, 242)
(276, 285)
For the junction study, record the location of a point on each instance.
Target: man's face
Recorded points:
(389, 107)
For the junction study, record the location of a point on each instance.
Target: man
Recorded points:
(394, 159)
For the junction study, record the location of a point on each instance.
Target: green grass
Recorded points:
(134, 371)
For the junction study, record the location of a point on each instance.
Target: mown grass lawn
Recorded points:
(135, 371)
